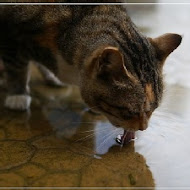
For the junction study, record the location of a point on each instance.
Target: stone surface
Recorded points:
(58, 180)
(118, 168)
(60, 159)
(14, 153)
(11, 180)
(50, 142)
(98, 174)
(31, 172)
(27, 126)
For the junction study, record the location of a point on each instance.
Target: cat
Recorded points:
(97, 47)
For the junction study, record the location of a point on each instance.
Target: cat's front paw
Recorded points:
(18, 102)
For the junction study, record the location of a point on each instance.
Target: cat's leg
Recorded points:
(49, 76)
(18, 76)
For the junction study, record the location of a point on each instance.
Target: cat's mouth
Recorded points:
(126, 138)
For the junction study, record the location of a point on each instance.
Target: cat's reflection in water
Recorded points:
(83, 127)
(92, 135)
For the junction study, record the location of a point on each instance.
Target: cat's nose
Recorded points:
(143, 121)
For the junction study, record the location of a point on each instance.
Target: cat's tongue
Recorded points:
(127, 137)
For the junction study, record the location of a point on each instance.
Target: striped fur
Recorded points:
(118, 70)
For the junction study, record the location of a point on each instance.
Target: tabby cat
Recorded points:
(97, 47)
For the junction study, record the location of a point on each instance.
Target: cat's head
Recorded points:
(124, 85)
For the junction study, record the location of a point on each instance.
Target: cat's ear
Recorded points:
(165, 44)
(110, 60)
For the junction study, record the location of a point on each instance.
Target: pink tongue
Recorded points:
(126, 137)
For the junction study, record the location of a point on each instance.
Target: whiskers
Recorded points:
(95, 130)
(85, 138)
(93, 133)
(106, 138)
(93, 107)
(101, 138)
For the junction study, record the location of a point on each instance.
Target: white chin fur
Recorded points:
(18, 102)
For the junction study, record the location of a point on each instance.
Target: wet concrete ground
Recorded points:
(58, 143)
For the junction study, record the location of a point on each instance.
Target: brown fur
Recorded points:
(118, 70)
(150, 93)
(48, 39)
